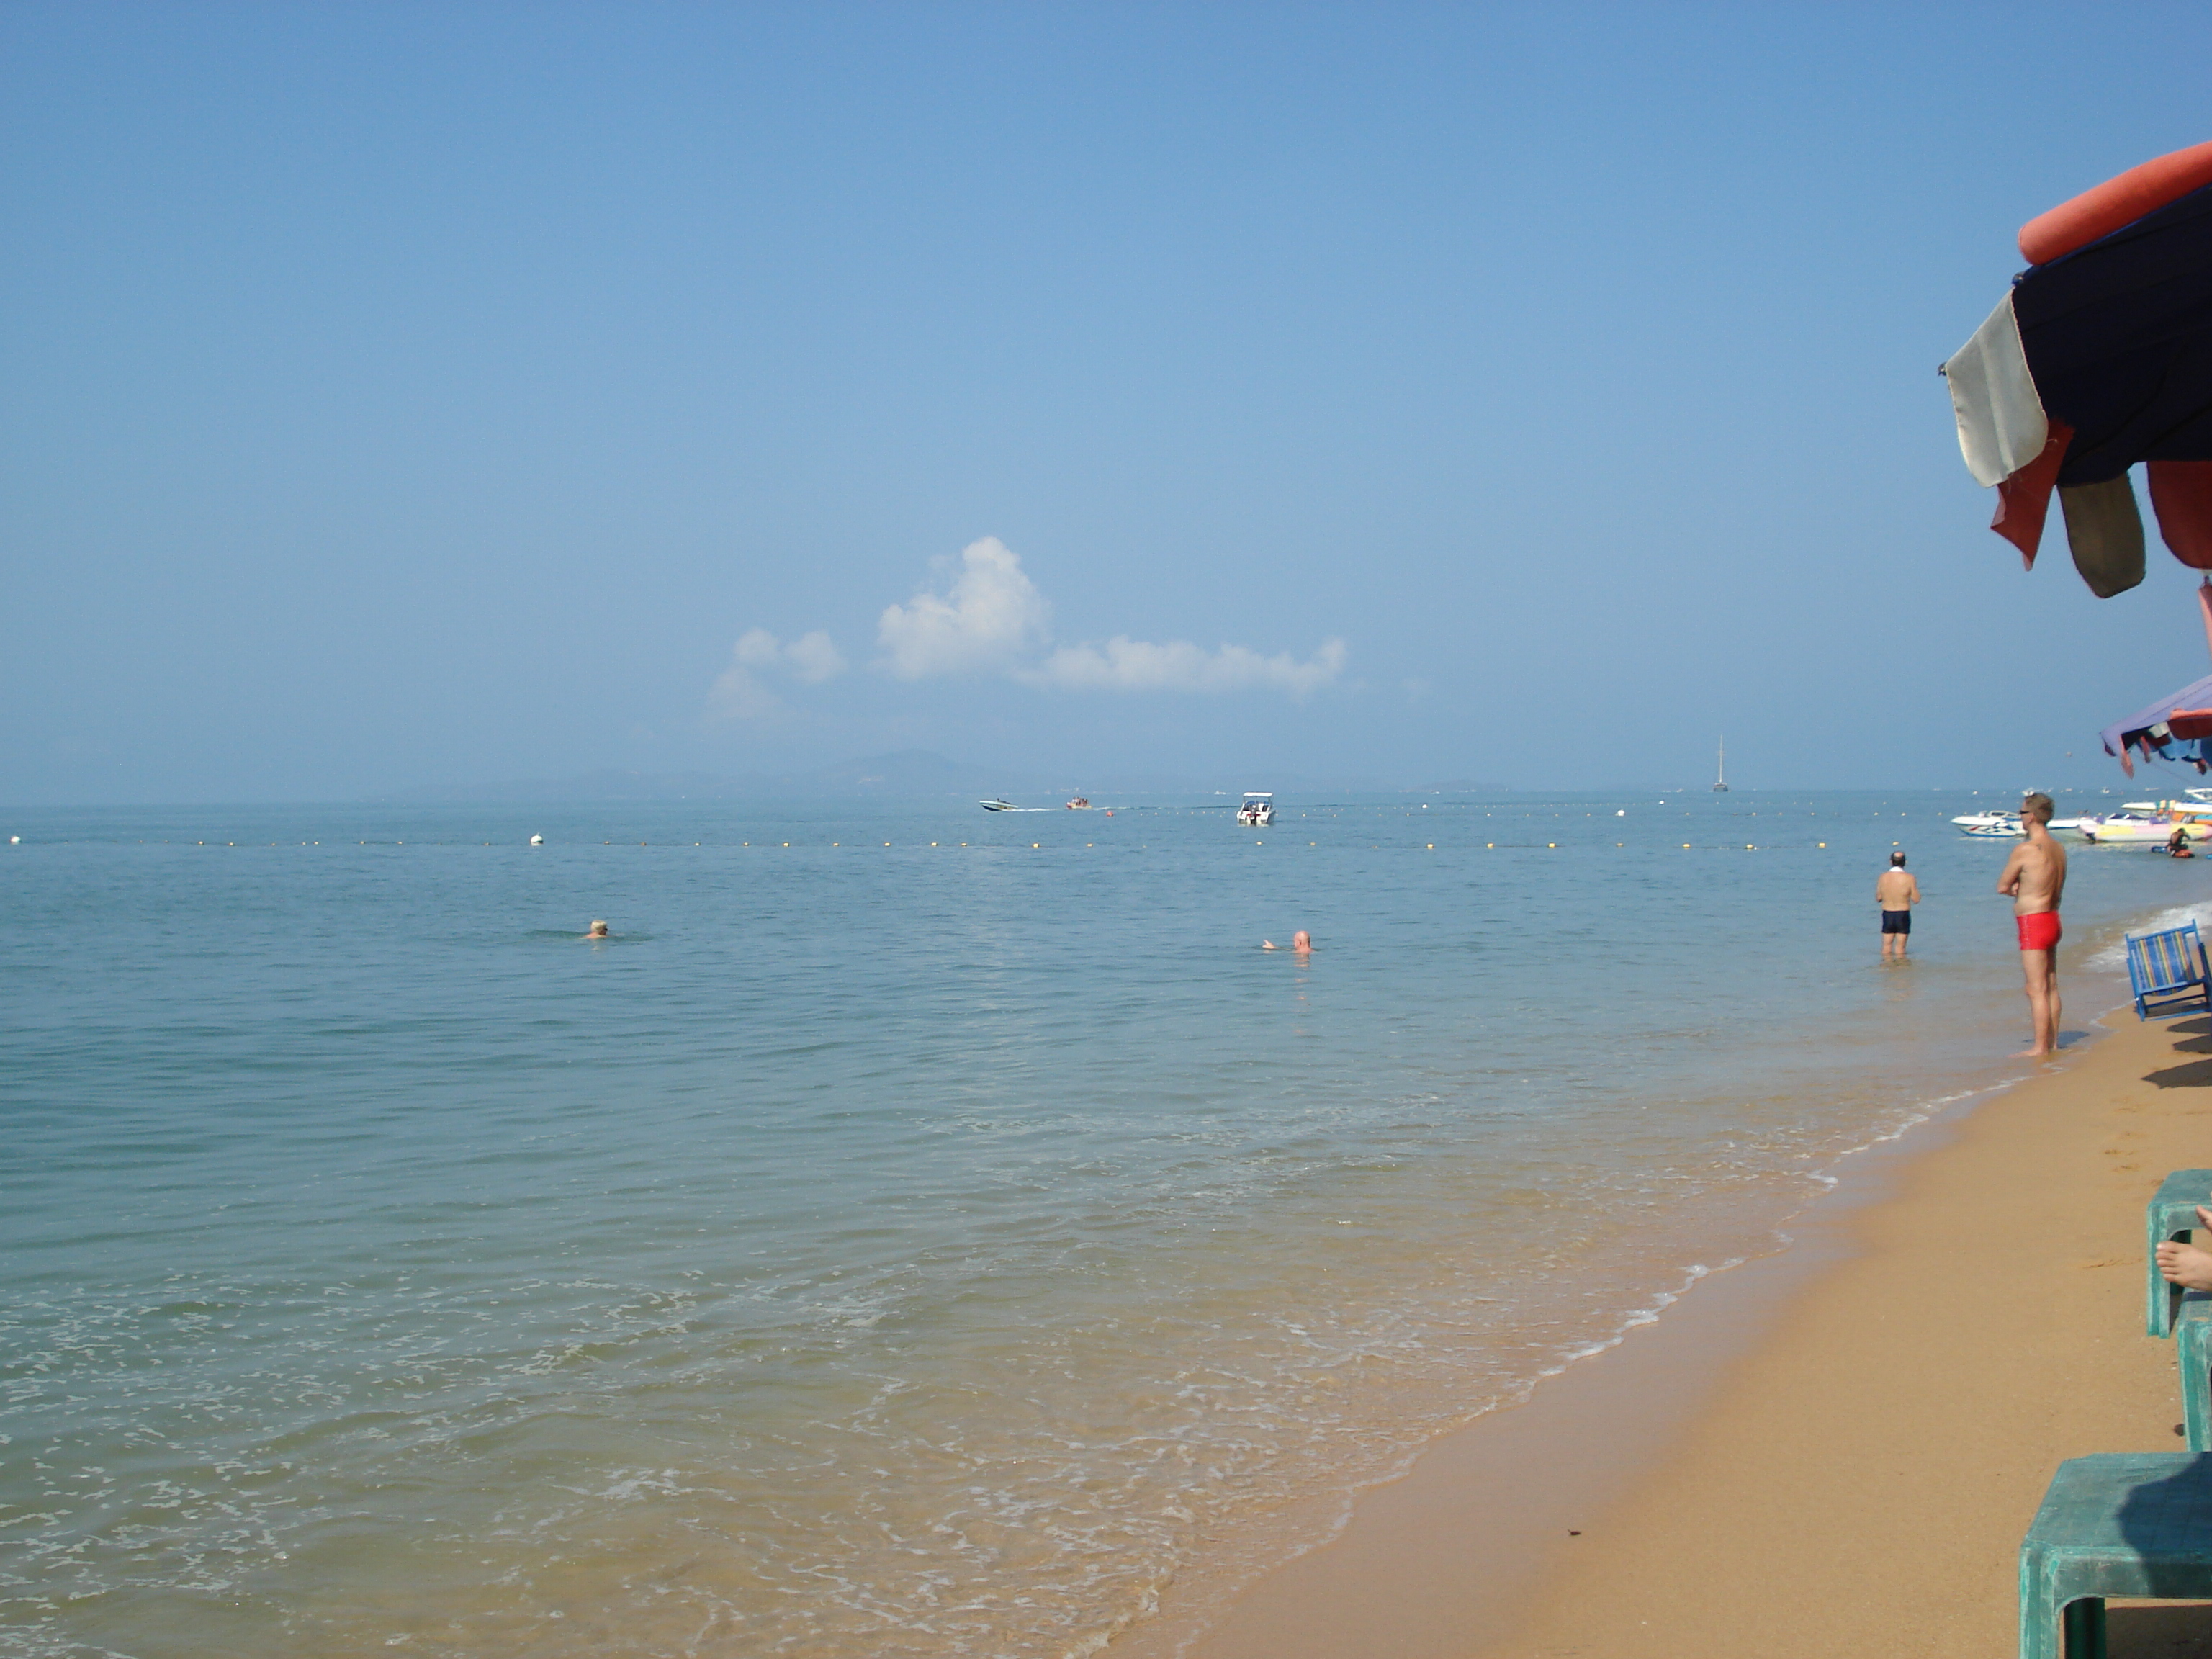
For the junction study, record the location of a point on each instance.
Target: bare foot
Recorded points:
(2186, 1265)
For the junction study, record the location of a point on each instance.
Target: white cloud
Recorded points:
(757, 648)
(991, 619)
(1126, 664)
(738, 693)
(813, 658)
(993, 615)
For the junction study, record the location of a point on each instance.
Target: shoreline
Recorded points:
(1561, 1525)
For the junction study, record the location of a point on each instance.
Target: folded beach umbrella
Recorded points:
(2100, 357)
(2185, 717)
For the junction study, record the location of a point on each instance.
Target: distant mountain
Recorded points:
(906, 772)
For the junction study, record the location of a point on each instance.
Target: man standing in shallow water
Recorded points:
(2035, 879)
(1896, 892)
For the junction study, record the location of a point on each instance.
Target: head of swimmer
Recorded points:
(1896, 861)
(2036, 806)
(597, 930)
(1301, 940)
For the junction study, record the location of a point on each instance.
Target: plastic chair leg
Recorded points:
(2085, 1628)
(2192, 1358)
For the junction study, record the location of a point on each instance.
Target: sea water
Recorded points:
(916, 1232)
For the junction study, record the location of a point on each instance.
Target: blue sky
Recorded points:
(400, 395)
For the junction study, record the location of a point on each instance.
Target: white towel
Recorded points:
(2001, 427)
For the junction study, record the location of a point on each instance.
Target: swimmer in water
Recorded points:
(1301, 942)
(599, 930)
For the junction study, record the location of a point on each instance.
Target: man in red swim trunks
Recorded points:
(2034, 879)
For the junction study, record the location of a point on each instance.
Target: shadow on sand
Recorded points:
(2195, 1035)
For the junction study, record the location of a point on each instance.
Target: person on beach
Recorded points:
(2176, 846)
(1301, 942)
(2034, 878)
(597, 930)
(2185, 1264)
(1896, 892)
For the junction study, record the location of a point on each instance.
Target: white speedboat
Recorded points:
(1258, 810)
(995, 805)
(1997, 826)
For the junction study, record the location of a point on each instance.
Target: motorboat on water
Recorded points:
(2138, 830)
(1998, 826)
(1258, 810)
(995, 805)
(1080, 804)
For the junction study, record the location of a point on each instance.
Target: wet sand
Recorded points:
(1833, 1450)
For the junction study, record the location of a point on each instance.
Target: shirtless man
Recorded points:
(1301, 942)
(1896, 892)
(599, 930)
(2035, 879)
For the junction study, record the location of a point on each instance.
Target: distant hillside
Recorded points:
(907, 772)
(910, 774)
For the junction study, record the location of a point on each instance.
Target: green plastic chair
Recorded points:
(2192, 1357)
(2120, 1523)
(2171, 1215)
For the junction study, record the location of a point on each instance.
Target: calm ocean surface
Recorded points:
(907, 1249)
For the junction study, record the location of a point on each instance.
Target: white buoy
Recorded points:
(538, 841)
(1622, 813)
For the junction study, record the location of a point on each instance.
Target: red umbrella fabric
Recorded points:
(2100, 357)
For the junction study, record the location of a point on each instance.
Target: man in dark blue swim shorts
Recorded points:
(1896, 892)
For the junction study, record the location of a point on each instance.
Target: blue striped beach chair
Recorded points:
(2165, 970)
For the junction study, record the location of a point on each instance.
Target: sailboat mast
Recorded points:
(1720, 778)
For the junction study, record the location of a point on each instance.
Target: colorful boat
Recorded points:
(2136, 829)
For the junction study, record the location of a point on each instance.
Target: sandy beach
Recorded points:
(1832, 1451)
